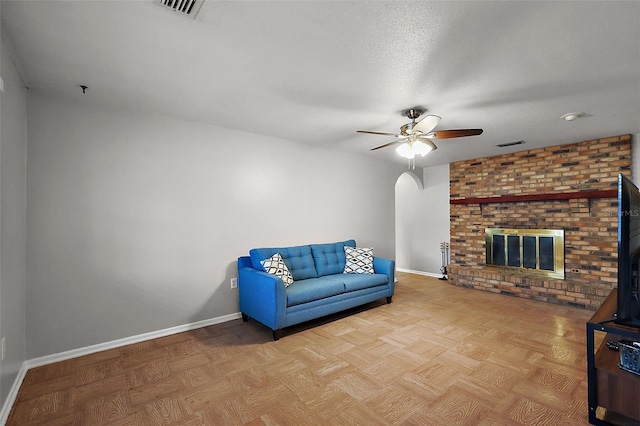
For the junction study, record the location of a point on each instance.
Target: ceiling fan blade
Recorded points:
(429, 142)
(427, 124)
(446, 134)
(378, 133)
(388, 144)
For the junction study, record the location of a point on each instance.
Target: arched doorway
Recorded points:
(421, 219)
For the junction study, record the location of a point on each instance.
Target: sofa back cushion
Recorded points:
(298, 260)
(329, 258)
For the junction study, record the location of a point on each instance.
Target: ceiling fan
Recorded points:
(415, 137)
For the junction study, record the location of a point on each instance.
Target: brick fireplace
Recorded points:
(569, 187)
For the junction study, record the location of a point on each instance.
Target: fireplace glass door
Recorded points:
(538, 252)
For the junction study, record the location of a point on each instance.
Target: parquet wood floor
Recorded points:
(437, 355)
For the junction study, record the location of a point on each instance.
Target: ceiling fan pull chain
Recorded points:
(411, 163)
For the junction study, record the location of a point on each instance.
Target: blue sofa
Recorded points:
(319, 288)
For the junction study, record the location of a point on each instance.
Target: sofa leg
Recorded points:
(245, 317)
(389, 299)
(276, 335)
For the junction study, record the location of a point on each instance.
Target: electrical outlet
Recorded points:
(234, 283)
(3, 347)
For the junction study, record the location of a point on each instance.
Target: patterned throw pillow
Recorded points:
(276, 266)
(359, 260)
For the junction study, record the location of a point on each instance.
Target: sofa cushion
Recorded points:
(313, 289)
(329, 258)
(358, 260)
(276, 266)
(353, 282)
(298, 259)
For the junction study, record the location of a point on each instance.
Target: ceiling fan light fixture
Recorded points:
(406, 151)
(421, 148)
(415, 147)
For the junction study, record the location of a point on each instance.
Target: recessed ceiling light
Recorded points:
(570, 116)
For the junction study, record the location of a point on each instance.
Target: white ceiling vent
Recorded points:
(187, 8)
(504, 145)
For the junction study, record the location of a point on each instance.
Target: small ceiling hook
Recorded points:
(84, 88)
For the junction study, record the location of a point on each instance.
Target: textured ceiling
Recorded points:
(315, 72)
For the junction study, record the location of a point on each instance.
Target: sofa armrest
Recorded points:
(262, 297)
(387, 267)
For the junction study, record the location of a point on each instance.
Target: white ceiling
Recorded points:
(315, 72)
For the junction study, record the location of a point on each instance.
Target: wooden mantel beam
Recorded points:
(605, 193)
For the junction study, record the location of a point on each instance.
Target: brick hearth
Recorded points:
(590, 224)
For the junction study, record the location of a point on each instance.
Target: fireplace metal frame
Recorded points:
(558, 251)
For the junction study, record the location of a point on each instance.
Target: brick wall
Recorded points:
(590, 224)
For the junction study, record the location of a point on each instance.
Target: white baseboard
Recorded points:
(13, 394)
(74, 353)
(411, 271)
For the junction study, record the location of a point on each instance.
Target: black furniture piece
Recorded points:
(611, 390)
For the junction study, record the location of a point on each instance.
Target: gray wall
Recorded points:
(422, 220)
(13, 234)
(136, 220)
